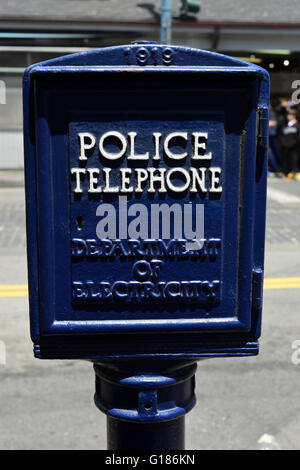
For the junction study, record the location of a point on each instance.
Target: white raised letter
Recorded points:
(141, 177)
(78, 172)
(215, 180)
(106, 178)
(198, 178)
(200, 145)
(177, 156)
(108, 155)
(94, 180)
(132, 155)
(85, 145)
(156, 137)
(125, 180)
(178, 189)
(157, 178)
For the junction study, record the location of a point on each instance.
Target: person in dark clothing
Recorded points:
(281, 111)
(290, 143)
(274, 157)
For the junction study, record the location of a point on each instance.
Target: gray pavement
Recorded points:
(243, 403)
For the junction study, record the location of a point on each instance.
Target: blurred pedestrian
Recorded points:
(274, 157)
(290, 143)
(282, 110)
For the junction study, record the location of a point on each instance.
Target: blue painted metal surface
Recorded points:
(145, 402)
(99, 126)
(138, 394)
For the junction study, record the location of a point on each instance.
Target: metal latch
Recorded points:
(257, 288)
(263, 127)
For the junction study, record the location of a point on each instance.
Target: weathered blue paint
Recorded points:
(145, 88)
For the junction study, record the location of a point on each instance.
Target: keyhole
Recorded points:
(79, 221)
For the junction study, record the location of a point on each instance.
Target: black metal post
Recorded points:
(145, 409)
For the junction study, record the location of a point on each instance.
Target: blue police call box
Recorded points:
(145, 194)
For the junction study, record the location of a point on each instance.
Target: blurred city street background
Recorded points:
(243, 403)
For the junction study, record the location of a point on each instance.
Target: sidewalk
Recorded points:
(11, 178)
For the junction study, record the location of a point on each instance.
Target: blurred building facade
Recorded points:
(266, 32)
